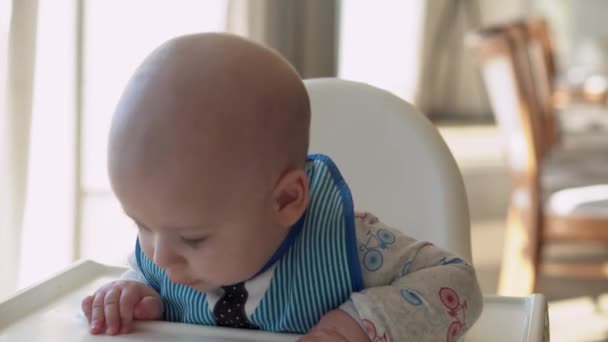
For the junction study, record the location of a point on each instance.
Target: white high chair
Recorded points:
(398, 167)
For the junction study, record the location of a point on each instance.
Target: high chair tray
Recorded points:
(50, 311)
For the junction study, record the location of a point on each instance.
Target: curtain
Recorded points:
(305, 32)
(450, 85)
(17, 48)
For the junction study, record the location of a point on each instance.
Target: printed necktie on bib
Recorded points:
(229, 311)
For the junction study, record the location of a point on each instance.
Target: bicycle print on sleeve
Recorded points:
(372, 248)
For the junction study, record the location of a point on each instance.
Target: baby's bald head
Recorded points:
(208, 99)
(206, 154)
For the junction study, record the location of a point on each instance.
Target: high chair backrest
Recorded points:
(397, 165)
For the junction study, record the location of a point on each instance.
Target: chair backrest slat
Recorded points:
(511, 102)
(543, 66)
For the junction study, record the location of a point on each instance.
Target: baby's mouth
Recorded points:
(197, 284)
(191, 283)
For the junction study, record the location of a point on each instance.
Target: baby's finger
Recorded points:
(112, 310)
(97, 313)
(128, 298)
(148, 308)
(87, 303)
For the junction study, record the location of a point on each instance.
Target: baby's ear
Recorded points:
(290, 197)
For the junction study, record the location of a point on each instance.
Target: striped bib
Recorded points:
(316, 271)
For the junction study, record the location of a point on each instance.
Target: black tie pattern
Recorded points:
(229, 311)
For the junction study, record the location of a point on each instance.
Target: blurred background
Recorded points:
(63, 64)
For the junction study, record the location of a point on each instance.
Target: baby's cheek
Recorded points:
(212, 264)
(146, 246)
(243, 264)
(203, 260)
(231, 261)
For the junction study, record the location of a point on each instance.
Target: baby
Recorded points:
(238, 227)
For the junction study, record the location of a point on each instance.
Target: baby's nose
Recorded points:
(164, 257)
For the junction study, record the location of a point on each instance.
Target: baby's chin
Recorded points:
(203, 286)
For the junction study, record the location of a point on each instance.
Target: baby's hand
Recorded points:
(115, 306)
(336, 326)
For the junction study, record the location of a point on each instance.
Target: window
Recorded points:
(115, 37)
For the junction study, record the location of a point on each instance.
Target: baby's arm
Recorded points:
(415, 291)
(116, 304)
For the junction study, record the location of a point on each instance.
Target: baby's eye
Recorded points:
(192, 242)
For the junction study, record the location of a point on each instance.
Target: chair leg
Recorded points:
(519, 268)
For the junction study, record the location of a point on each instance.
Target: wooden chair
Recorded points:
(544, 207)
(557, 101)
(539, 48)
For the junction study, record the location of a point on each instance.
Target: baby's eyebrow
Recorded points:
(139, 223)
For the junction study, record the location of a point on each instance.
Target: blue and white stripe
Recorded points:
(321, 269)
(316, 275)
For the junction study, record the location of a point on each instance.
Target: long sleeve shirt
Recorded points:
(413, 290)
